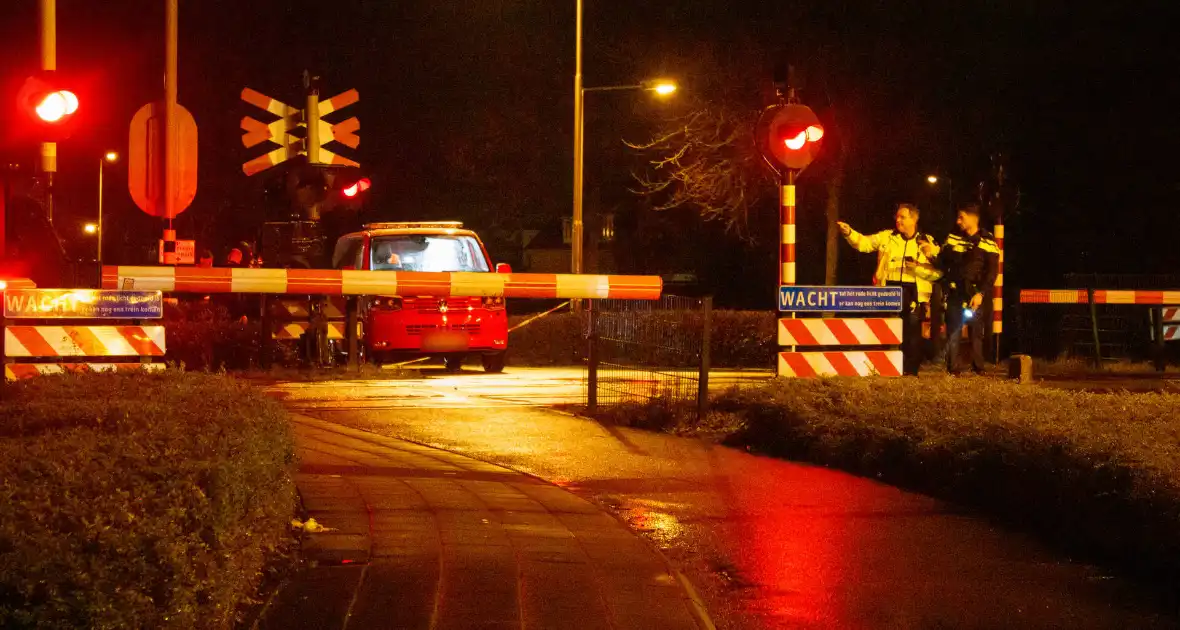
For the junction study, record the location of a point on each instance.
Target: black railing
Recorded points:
(644, 351)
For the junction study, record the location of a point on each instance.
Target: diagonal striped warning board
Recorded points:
(847, 331)
(84, 341)
(845, 363)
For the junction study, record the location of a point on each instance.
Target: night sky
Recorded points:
(466, 108)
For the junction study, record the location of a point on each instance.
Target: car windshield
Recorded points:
(422, 252)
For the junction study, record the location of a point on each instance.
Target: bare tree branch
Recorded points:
(706, 161)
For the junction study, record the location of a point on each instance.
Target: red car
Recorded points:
(400, 327)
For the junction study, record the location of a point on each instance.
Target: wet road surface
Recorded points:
(768, 543)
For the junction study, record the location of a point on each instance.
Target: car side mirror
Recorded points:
(503, 268)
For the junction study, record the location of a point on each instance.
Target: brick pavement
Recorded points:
(425, 538)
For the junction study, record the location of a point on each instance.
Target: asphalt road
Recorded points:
(768, 543)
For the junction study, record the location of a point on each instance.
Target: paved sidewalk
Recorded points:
(426, 538)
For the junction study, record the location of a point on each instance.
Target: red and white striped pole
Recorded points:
(998, 292)
(786, 255)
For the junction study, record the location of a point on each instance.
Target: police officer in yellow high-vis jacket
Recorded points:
(901, 262)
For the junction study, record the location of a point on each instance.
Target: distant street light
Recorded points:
(109, 157)
(661, 87)
(664, 89)
(933, 180)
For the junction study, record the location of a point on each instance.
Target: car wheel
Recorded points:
(493, 363)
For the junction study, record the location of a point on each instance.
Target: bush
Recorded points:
(211, 335)
(1097, 473)
(555, 339)
(740, 339)
(202, 335)
(138, 500)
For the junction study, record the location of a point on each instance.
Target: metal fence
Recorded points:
(642, 351)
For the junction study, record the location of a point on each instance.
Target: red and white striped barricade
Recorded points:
(294, 317)
(840, 346)
(41, 347)
(1171, 317)
(358, 282)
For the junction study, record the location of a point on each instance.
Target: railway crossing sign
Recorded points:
(299, 131)
(803, 299)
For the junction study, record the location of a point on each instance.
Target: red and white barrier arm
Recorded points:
(1101, 296)
(349, 282)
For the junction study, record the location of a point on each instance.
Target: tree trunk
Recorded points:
(832, 212)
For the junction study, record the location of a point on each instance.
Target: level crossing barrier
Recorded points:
(360, 282)
(1164, 312)
(321, 285)
(42, 344)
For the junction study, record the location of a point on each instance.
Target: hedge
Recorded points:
(1097, 474)
(204, 334)
(740, 339)
(138, 500)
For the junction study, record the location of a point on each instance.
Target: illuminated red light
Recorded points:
(814, 133)
(357, 188)
(57, 105)
(796, 142)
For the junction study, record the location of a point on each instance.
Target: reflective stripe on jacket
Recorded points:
(972, 263)
(892, 249)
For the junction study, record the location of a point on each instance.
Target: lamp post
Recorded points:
(950, 192)
(660, 88)
(111, 157)
(576, 232)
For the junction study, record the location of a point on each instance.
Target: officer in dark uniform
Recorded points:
(970, 259)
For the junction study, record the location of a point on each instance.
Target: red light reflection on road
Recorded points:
(788, 548)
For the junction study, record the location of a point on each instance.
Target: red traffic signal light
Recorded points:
(360, 186)
(797, 140)
(55, 106)
(48, 106)
(795, 133)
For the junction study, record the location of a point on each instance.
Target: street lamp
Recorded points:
(933, 180)
(110, 157)
(660, 87)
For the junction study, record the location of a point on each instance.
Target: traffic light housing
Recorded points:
(795, 134)
(356, 188)
(49, 106)
(306, 191)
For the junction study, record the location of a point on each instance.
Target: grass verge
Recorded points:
(1097, 474)
(138, 500)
